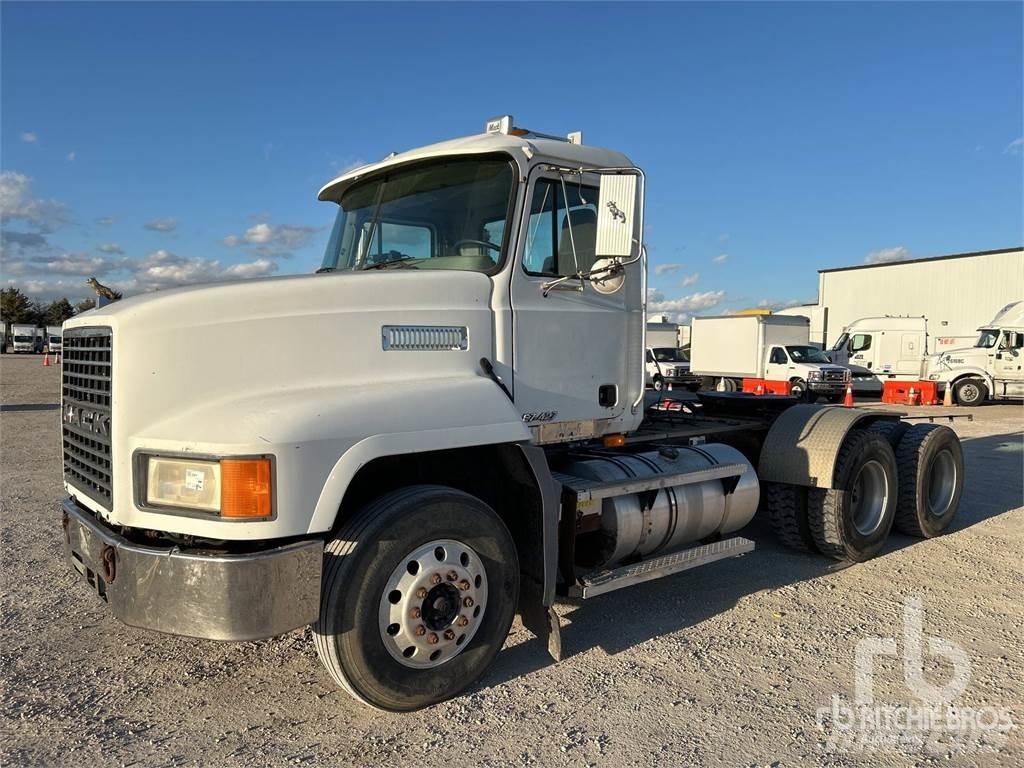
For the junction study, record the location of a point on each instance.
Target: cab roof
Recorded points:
(524, 149)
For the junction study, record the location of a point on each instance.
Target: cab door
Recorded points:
(579, 360)
(1009, 364)
(777, 368)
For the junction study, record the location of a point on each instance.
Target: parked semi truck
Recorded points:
(727, 349)
(879, 349)
(239, 497)
(993, 369)
(23, 338)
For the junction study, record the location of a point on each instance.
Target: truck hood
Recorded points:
(178, 350)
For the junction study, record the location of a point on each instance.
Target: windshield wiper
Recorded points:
(392, 262)
(325, 269)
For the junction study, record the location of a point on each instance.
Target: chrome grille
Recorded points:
(86, 412)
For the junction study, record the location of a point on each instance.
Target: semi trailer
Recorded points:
(236, 497)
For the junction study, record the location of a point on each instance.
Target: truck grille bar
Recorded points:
(86, 412)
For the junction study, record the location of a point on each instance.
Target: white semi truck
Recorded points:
(23, 338)
(993, 369)
(498, 282)
(879, 349)
(725, 350)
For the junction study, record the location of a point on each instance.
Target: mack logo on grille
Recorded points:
(88, 419)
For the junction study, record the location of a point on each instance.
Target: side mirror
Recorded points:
(616, 213)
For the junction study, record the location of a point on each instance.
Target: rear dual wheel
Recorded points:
(419, 591)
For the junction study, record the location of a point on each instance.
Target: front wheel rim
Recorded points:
(433, 603)
(869, 497)
(968, 393)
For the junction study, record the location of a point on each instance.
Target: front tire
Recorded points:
(798, 389)
(970, 392)
(396, 630)
(657, 384)
(852, 520)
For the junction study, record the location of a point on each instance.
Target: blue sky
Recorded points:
(152, 144)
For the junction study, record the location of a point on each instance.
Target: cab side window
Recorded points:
(860, 342)
(554, 228)
(1013, 340)
(778, 356)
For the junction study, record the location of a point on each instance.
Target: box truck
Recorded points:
(498, 284)
(23, 338)
(725, 350)
(53, 339)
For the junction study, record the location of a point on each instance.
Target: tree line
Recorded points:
(16, 307)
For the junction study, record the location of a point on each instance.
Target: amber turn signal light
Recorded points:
(614, 441)
(245, 488)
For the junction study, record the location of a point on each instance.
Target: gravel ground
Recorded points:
(726, 665)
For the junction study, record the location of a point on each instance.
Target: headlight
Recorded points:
(814, 375)
(231, 488)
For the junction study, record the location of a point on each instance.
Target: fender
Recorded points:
(415, 417)
(801, 446)
(971, 372)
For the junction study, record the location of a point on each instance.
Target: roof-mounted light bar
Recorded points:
(504, 124)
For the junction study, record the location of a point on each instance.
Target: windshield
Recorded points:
(23, 338)
(447, 214)
(988, 338)
(841, 342)
(670, 355)
(55, 339)
(807, 355)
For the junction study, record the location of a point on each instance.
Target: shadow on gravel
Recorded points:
(30, 407)
(617, 621)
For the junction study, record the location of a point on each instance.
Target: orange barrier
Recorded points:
(910, 393)
(765, 387)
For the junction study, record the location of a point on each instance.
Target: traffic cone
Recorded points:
(46, 359)
(760, 389)
(57, 362)
(720, 386)
(848, 400)
(912, 397)
(670, 386)
(947, 397)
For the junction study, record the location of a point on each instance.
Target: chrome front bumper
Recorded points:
(213, 596)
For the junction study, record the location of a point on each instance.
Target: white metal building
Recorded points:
(956, 293)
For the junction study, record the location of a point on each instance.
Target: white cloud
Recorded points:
(270, 240)
(71, 156)
(886, 255)
(667, 269)
(163, 269)
(79, 264)
(17, 204)
(105, 221)
(167, 224)
(679, 309)
(775, 304)
(723, 238)
(1015, 147)
(721, 258)
(689, 280)
(110, 248)
(29, 137)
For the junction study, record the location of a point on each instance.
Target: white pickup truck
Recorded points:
(993, 369)
(220, 486)
(727, 349)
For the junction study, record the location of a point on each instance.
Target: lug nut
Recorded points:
(452, 575)
(462, 621)
(449, 634)
(415, 613)
(421, 593)
(420, 631)
(467, 602)
(435, 579)
(432, 638)
(463, 585)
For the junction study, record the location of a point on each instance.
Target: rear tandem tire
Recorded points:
(893, 431)
(852, 520)
(361, 563)
(787, 510)
(931, 472)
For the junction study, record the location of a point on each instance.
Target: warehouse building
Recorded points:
(956, 293)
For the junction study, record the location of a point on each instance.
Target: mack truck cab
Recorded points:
(225, 488)
(993, 369)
